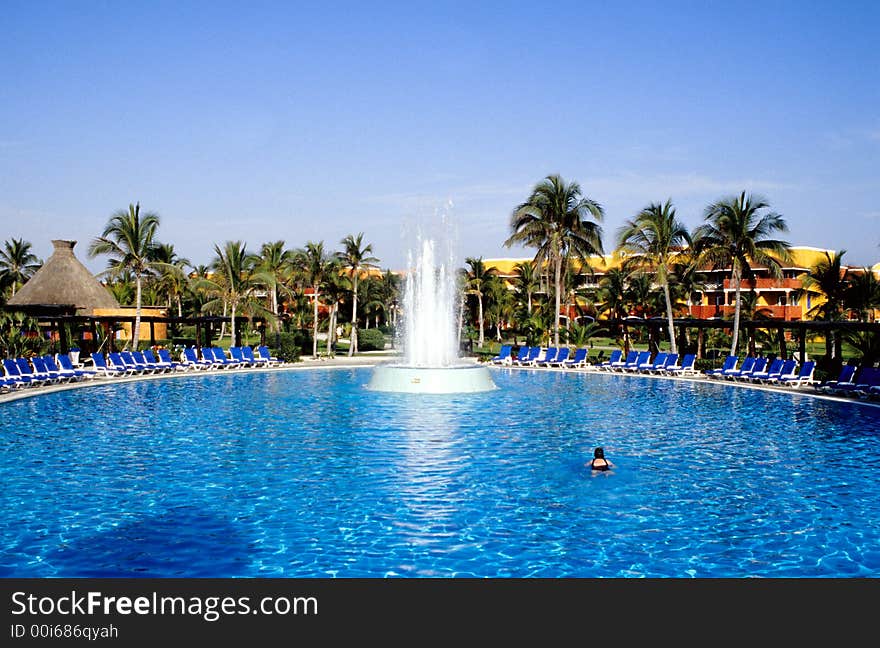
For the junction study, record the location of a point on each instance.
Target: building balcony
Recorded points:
(767, 284)
(783, 313)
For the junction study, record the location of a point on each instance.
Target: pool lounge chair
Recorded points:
(630, 359)
(220, 358)
(866, 378)
(787, 370)
(549, 356)
(577, 361)
(25, 369)
(166, 363)
(503, 356)
(238, 356)
(63, 361)
(55, 375)
(659, 362)
(130, 362)
(642, 358)
(845, 376)
(117, 360)
(730, 363)
(531, 356)
(14, 373)
(106, 370)
(192, 361)
(773, 369)
(743, 376)
(263, 350)
(521, 355)
(745, 369)
(804, 376)
(613, 359)
(686, 368)
(670, 361)
(257, 361)
(561, 357)
(145, 365)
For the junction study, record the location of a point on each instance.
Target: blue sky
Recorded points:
(304, 122)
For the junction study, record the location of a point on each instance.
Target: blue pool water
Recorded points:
(306, 473)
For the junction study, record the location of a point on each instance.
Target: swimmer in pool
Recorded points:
(599, 463)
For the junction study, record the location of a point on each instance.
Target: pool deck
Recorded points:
(372, 359)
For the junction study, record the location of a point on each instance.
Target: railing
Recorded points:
(784, 313)
(766, 284)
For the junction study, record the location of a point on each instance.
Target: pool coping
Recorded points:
(367, 361)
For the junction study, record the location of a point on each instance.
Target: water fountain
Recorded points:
(431, 363)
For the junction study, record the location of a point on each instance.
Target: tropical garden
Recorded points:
(316, 299)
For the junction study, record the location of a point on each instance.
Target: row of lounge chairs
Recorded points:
(48, 369)
(536, 356)
(664, 363)
(778, 372)
(860, 382)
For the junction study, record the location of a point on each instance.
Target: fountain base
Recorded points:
(431, 380)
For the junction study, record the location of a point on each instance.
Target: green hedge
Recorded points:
(289, 346)
(370, 340)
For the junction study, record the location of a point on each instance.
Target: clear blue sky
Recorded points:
(261, 121)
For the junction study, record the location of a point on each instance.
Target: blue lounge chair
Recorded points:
(730, 363)
(686, 368)
(165, 358)
(503, 356)
(104, 369)
(865, 379)
(167, 365)
(54, 376)
(787, 370)
(117, 360)
(671, 361)
(191, 360)
(561, 357)
(238, 355)
(758, 367)
(531, 356)
(521, 355)
(804, 376)
(613, 359)
(658, 362)
(642, 358)
(14, 373)
(745, 369)
(25, 369)
(549, 356)
(62, 360)
(577, 361)
(145, 365)
(220, 358)
(773, 369)
(845, 376)
(129, 362)
(268, 357)
(256, 361)
(630, 359)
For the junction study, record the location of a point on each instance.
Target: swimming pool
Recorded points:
(308, 474)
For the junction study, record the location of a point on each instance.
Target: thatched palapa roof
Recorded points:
(64, 281)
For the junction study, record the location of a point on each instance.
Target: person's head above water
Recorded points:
(599, 453)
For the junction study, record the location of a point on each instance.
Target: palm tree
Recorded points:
(128, 240)
(271, 271)
(654, 240)
(526, 281)
(233, 284)
(863, 294)
(355, 259)
(314, 264)
(172, 280)
(737, 232)
(17, 264)
(555, 220)
(828, 281)
(612, 298)
(475, 284)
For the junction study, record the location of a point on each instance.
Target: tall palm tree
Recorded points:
(172, 279)
(612, 297)
(828, 280)
(526, 281)
(128, 239)
(475, 284)
(271, 271)
(738, 232)
(17, 264)
(653, 240)
(314, 264)
(863, 294)
(232, 283)
(556, 220)
(355, 258)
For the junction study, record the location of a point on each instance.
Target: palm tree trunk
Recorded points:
(232, 326)
(275, 309)
(315, 326)
(736, 310)
(672, 346)
(480, 311)
(558, 300)
(223, 324)
(179, 307)
(352, 346)
(137, 314)
(331, 327)
(529, 304)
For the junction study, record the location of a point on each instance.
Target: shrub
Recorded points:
(289, 346)
(370, 340)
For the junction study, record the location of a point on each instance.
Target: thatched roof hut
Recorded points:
(63, 284)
